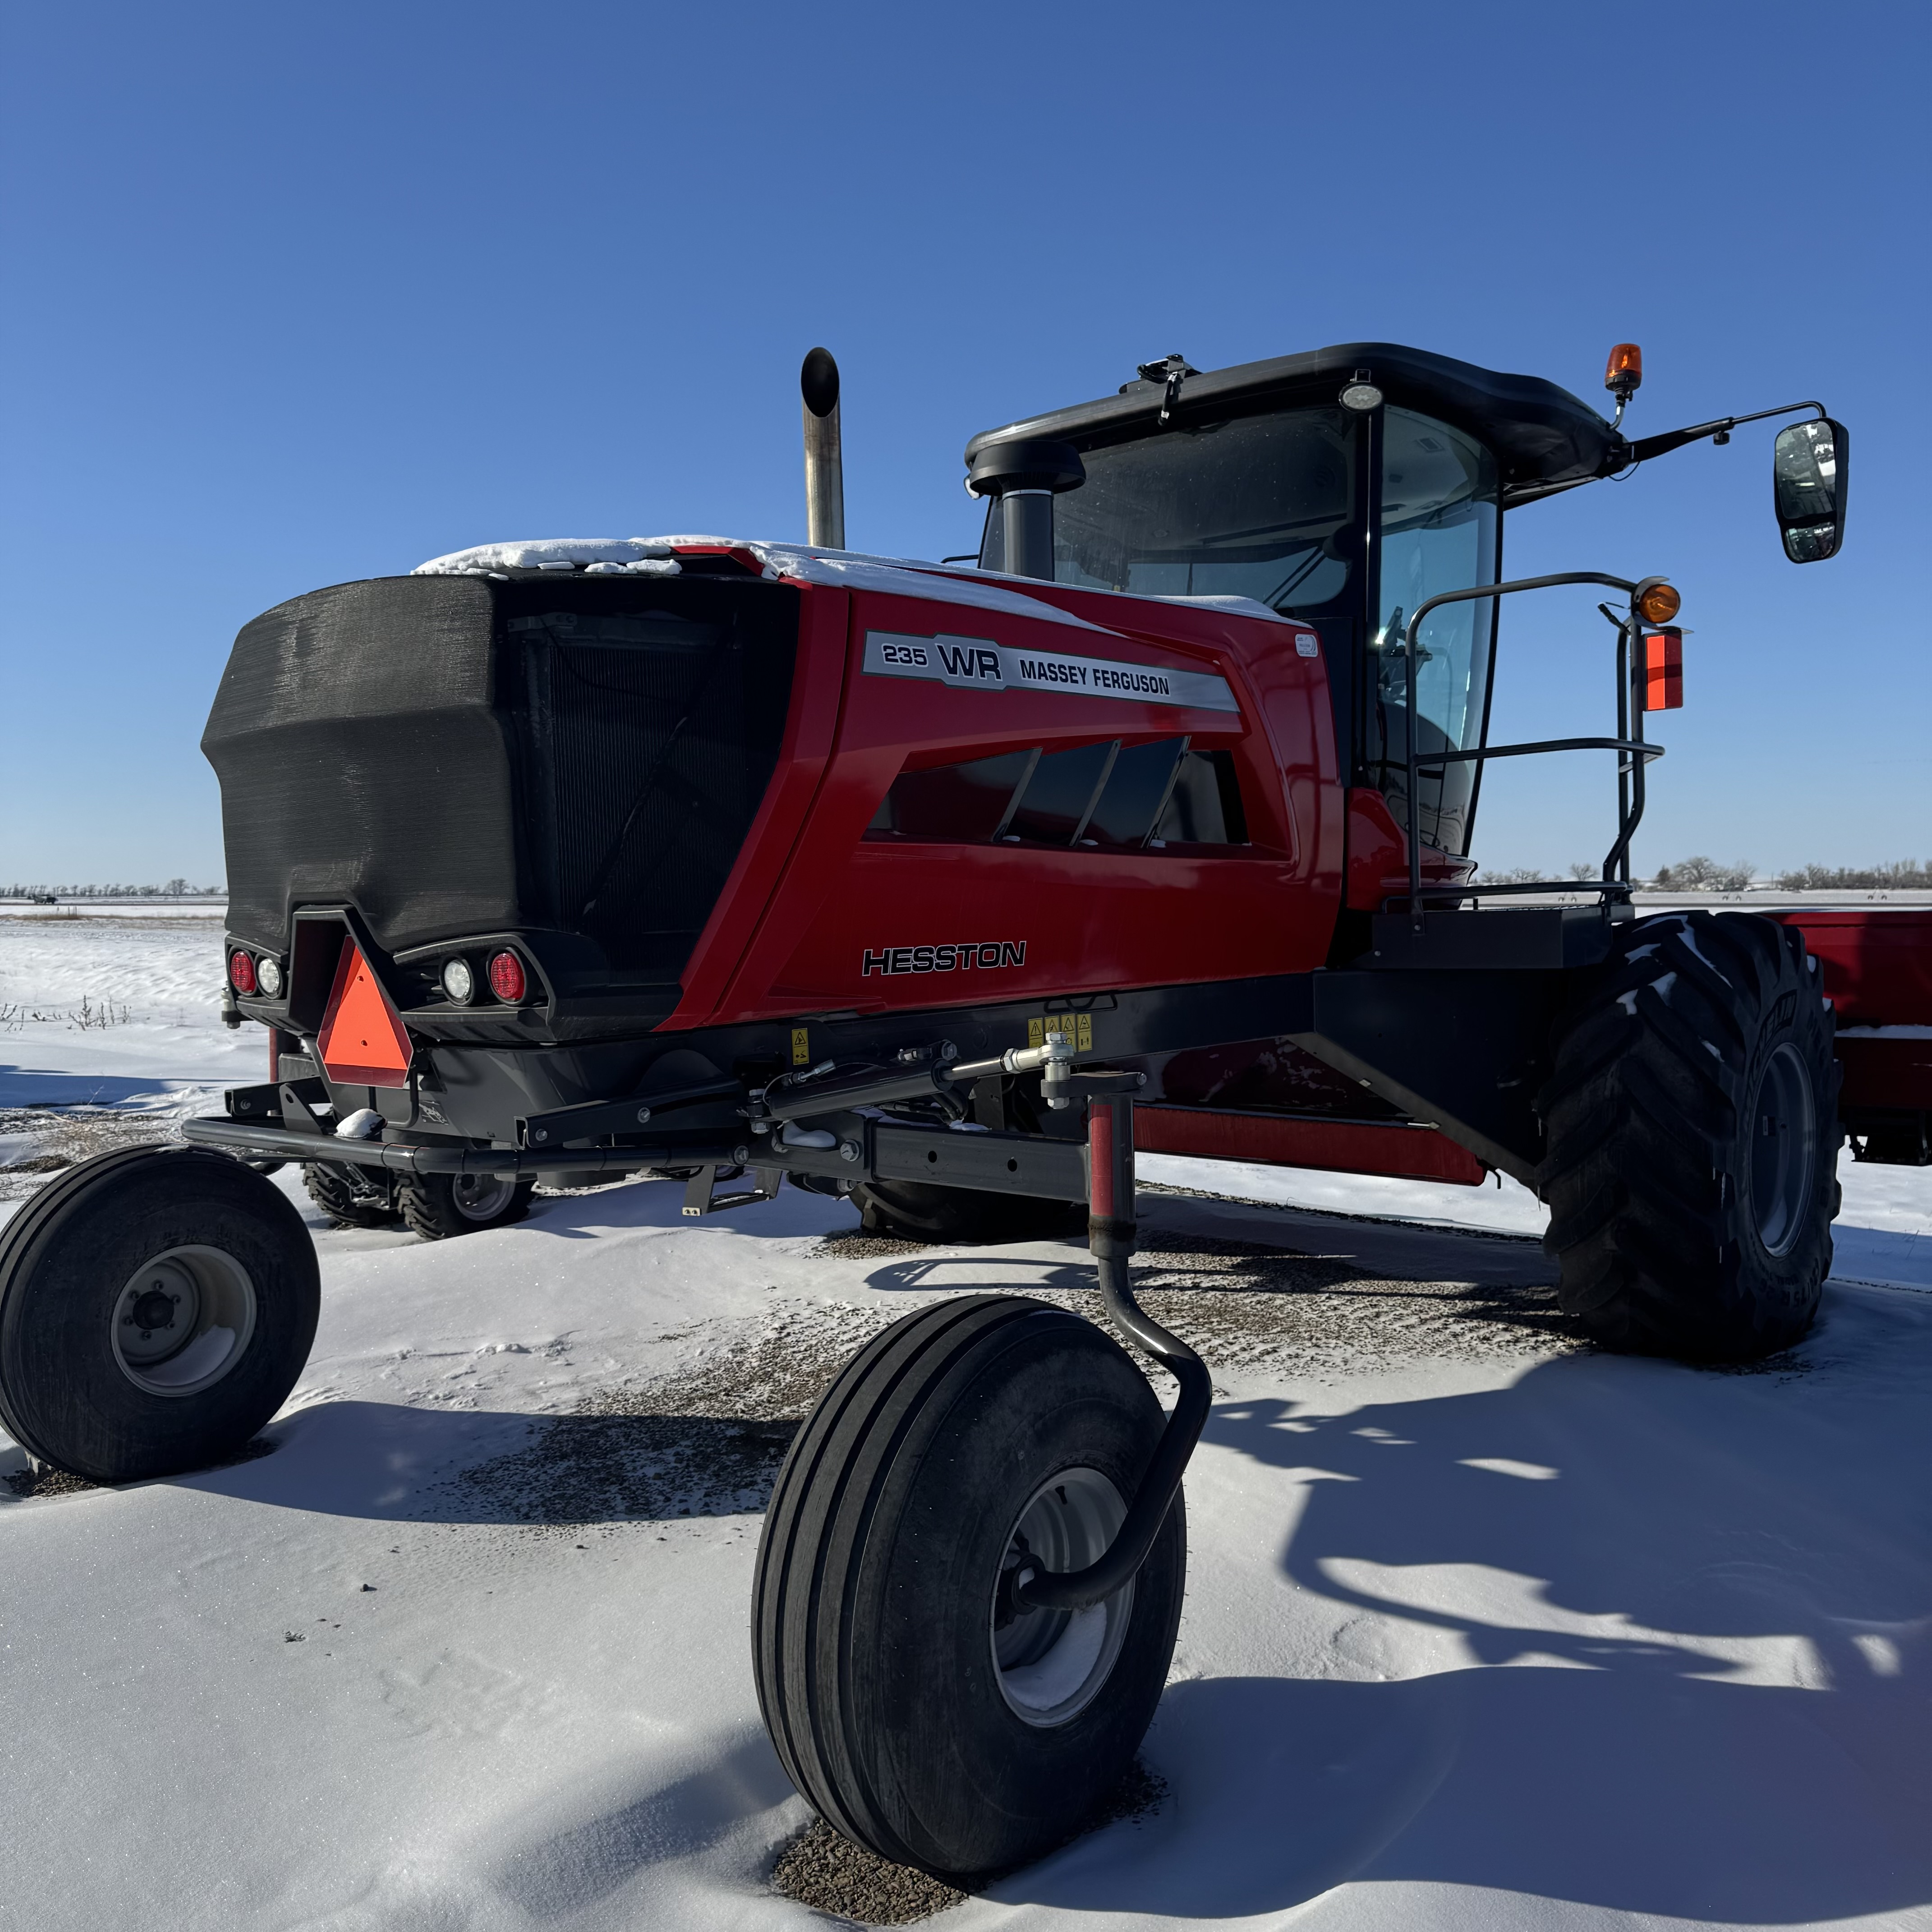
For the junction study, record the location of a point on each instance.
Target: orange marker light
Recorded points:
(1623, 374)
(1663, 670)
(1658, 603)
(363, 1042)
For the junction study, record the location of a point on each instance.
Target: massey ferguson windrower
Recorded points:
(738, 862)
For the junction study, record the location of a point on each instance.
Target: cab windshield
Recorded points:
(1259, 506)
(1438, 532)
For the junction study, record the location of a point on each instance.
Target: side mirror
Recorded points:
(1808, 466)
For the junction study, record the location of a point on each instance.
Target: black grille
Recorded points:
(453, 756)
(659, 731)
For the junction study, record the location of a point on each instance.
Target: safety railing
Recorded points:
(1633, 753)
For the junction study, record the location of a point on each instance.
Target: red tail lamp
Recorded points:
(363, 1042)
(1663, 670)
(508, 979)
(241, 972)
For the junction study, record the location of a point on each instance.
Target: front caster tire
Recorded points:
(908, 1702)
(439, 1207)
(1692, 1141)
(156, 1306)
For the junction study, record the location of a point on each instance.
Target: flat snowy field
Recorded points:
(1483, 1629)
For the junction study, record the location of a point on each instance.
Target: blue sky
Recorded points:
(299, 294)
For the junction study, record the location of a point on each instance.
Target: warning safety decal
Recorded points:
(977, 663)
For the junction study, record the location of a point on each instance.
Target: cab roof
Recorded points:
(1543, 438)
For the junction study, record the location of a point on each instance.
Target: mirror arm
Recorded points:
(1645, 448)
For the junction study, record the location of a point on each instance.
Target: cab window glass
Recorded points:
(1438, 532)
(1259, 506)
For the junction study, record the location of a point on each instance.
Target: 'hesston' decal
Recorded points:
(957, 958)
(978, 664)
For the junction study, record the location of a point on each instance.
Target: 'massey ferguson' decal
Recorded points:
(954, 958)
(977, 663)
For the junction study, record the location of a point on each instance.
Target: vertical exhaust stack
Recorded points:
(1025, 475)
(824, 462)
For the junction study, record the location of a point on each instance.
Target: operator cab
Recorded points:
(1342, 487)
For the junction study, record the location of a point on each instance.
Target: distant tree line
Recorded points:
(1699, 873)
(1904, 874)
(175, 888)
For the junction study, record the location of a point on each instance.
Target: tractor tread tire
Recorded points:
(1649, 1113)
(334, 1193)
(882, 1703)
(428, 1209)
(916, 1211)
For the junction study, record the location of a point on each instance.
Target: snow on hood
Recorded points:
(655, 557)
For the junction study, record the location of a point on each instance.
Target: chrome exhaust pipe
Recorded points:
(824, 463)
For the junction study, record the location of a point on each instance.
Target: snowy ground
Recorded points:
(1483, 1629)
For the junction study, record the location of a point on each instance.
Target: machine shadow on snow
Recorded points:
(1615, 1765)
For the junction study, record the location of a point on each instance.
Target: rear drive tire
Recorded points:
(439, 1207)
(915, 1210)
(349, 1201)
(907, 1702)
(156, 1306)
(1693, 1137)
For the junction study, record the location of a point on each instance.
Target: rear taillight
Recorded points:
(242, 972)
(507, 978)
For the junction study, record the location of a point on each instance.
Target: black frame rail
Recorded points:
(1633, 754)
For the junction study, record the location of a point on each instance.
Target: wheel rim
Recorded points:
(1051, 1664)
(477, 1197)
(1784, 1151)
(184, 1320)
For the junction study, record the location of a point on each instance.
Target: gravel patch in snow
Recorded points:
(707, 1440)
(831, 1874)
(827, 1872)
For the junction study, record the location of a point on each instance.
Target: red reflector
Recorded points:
(506, 978)
(1663, 670)
(242, 972)
(362, 1041)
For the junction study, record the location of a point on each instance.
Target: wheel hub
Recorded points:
(183, 1320)
(154, 1310)
(479, 1196)
(1783, 1150)
(1052, 1664)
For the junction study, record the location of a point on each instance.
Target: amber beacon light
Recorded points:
(1623, 374)
(1657, 601)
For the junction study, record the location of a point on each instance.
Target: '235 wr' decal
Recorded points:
(978, 664)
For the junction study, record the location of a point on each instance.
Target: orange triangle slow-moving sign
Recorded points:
(362, 1041)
